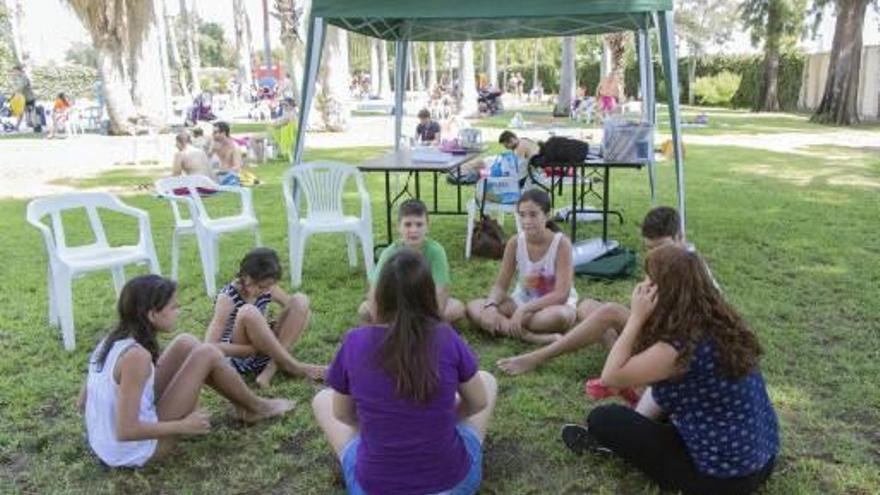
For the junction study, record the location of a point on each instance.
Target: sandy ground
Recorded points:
(36, 167)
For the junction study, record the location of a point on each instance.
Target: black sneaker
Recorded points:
(579, 440)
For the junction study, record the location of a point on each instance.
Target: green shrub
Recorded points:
(718, 89)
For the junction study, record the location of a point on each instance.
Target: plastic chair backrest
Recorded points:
(168, 186)
(54, 206)
(323, 184)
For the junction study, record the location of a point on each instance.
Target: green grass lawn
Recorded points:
(792, 239)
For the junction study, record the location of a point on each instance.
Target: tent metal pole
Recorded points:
(401, 56)
(314, 46)
(670, 64)
(649, 78)
(647, 105)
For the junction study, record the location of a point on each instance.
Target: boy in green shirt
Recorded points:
(412, 225)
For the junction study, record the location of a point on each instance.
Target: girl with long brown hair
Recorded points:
(700, 361)
(408, 409)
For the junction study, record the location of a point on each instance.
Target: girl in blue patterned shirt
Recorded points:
(699, 361)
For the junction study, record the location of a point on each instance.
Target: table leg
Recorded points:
(458, 186)
(435, 191)
(418, 188)
(605, 201)
(388, 205)
(574, 203)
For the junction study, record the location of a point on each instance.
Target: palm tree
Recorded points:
(617, 43)
(567, 78)
(334, 75)
(289, 16)
(491, 64)
(374, 67)
(432, 67)
(384, 79)
(467, 104)
(116, 26)
(188, 16)
(242, 50)
(19, 45)
(176, 59)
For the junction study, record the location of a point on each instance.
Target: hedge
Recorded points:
(749, 67)
(75, 81)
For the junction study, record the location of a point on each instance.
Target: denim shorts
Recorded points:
(467, 486)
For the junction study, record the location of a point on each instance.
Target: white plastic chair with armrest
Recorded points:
(187, 190)
(323, 185)
(66, 263)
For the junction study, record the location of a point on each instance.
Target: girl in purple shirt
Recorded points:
(407, 410)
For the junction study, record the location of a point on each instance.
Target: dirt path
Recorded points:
(35, 167)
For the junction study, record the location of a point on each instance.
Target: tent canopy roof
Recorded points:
(456, 20)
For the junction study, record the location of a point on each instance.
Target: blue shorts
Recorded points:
(228, 179)
(467, 486)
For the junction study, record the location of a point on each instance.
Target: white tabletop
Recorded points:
(408, 159)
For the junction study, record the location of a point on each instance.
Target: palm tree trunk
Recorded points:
(840, 100)
(417, 68)
(491, 64)
(692, 74)
(114, 86)
(150, 81)
(535, 82)
(374, 67)
(384, 79)
(243, 53)
(768, 99)
(267, 40)
(174, 51)
(332, 104)
(467, 105)
(19, 41)
(187, 13)
(432, 67)
(567, 77)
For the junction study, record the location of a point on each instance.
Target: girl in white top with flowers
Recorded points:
(543, 303)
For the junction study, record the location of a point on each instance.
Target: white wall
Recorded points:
(816, 72)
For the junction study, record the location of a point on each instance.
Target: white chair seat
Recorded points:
(81, 259)
(331, 223)
(231, 224)
(323, 185)
(67, 262)
(199, 224)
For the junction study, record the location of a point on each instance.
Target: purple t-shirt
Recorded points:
(406, 447)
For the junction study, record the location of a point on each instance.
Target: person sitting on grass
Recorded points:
(137, 399)
(226, 155)
(598, 321)
(190, 160)
(412, 225)
(700, 361)
(240, 328)
(543, 303)
(428, 130)
(408, 409)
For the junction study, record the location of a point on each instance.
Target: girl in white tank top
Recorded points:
(542, 305)
(128, 360)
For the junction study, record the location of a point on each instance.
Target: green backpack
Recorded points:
(617, 263)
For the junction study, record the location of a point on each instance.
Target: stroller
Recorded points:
(200, 110)
(489, 101)
(7, 121)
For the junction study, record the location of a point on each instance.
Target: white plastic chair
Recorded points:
(488, 208)
(66, 263)
(323, 185)
(207, 230)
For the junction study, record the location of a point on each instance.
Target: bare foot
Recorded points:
(265, 377)
(517, 365)
(269, 408)
(315, 372)
(541, 338)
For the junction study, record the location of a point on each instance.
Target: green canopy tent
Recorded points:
(457, 20)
